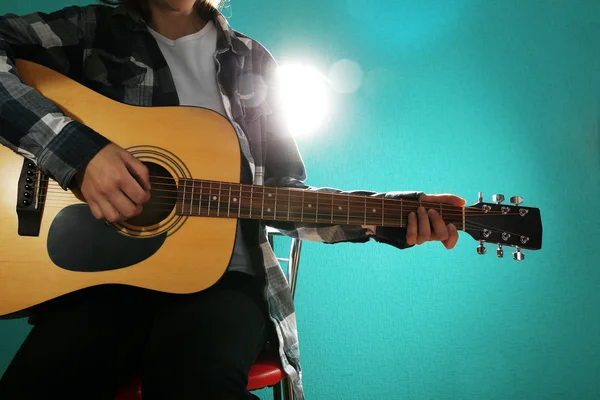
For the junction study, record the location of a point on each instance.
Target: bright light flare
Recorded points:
(305, 96)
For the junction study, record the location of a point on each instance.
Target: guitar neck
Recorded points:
(233, 200)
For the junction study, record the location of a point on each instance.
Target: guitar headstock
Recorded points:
(505, 225)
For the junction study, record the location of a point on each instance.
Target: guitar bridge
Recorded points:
(31, 198)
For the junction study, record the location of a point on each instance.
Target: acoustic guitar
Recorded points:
(51, 245)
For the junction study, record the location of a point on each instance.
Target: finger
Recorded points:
(440, 231)
(424, 227)
(109, 213)
(134, 191)
(452, 237)
(96, 211)
(123, 204)
(411, 229)
(139, 170)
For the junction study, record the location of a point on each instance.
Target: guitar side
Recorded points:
(192, 258)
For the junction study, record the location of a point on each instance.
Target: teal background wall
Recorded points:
(460, 97)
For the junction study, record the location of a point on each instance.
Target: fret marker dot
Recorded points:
(270, 195)
(235, 200)
(310, 206)
(374, 210)
(340, 208)
(268, 210)
(214, 197)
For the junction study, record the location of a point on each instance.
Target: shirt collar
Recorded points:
(227, 38)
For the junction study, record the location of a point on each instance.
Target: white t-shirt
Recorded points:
(192, 64)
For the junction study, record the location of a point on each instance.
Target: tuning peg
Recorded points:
(517, 255)
(481, 248)
(480, 198)
(516, 200)
(498, 198)
(499, 251)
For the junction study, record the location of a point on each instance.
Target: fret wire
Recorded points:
(275, 208)
(251, 193)
(289, 199)
(262, 211)
(401, 204)
(331, 209)
(240, 203)
(302, 208)
(229, 202)
(209, 196)
(317, 208)
(192, 199)
(200, 201)
(219, 201)
(348, 216)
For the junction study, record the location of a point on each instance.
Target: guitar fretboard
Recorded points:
(233, 200)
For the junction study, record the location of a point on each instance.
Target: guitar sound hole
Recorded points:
(163, 197)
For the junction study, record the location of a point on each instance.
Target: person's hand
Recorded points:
(421, 223)
(109, 184)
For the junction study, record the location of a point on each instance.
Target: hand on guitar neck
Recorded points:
(428, 225)
(114, 184)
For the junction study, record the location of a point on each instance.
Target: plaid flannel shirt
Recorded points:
(111, 51)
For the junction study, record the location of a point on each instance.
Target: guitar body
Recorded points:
(174, 253)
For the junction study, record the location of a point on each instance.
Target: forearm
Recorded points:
(31, 124)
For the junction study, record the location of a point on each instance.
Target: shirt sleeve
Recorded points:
(31, 124)
(284, 167)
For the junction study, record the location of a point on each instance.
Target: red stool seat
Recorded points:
(265, 372)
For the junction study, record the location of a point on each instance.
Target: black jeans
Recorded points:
(89, 344)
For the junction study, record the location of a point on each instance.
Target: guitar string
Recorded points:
(307, 192)
(283, 195)
(456, 222)
(295, 217)
(354, 208)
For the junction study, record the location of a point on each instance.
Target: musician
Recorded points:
(88, 344)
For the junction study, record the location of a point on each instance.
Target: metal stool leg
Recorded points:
(277, 391)
(293, 262)
(288, 392)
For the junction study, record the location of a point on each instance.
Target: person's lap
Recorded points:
(90, 343)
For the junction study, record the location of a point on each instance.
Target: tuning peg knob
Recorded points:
(499, 251)
(480, 197)
(516, 200)
(517, 255)
(481, 248)
(498, 198)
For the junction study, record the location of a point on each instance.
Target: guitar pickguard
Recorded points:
(79, 242)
